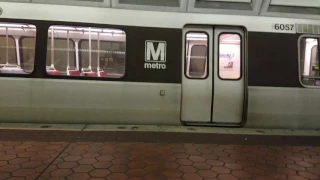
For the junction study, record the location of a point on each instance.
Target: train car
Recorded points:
(73, 64)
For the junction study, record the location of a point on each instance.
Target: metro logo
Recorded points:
(155, 54)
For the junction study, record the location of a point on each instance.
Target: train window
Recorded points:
(27, 45)
(229, 56)
(60, 62)
(86, 51)
(8, 53)
(112, 59)
(16, 54)
(196, 55)
(309, 61)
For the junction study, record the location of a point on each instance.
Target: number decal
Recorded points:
(284, 27)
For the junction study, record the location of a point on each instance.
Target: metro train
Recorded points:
(90, 65)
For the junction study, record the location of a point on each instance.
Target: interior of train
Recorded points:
(17, 54)
(309, 63)
(71, 51)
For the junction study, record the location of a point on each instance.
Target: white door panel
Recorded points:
(228, 87)
(196, 91)
(217, 96)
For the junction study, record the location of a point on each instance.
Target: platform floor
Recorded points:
(55, 154)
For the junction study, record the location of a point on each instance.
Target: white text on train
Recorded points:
(155, 54)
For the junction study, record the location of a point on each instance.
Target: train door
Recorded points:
(213, 75)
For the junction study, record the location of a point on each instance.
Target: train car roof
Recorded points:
(129, 17)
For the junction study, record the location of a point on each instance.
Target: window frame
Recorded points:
(122, 78)
(315, 36)
(207, 60)
(241, 57)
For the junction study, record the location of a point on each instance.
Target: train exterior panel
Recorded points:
(161, 68)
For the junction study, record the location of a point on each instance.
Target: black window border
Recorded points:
(241, 56)
(87, 25)
(208, 55)
(80, 57)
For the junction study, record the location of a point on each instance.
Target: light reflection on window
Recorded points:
(196, 55)
(229, 56)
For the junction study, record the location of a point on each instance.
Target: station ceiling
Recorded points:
(278, 8)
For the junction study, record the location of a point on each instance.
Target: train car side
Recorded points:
(61, 68)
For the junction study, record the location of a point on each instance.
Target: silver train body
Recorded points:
(208, 101)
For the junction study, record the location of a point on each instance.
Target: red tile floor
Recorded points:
(69, 155)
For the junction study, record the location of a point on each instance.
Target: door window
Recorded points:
(196, 55)
(309, 61)
(229, 56)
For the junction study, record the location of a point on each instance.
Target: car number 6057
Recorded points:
(284, 27)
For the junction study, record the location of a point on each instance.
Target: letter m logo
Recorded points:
(155, 51)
